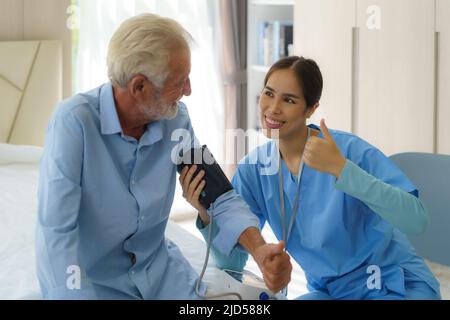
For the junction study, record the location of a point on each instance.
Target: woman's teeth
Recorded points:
(272, 123)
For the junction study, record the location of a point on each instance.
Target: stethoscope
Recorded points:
(287, 234)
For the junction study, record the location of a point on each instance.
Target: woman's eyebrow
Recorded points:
(291, 95)
(284, 94)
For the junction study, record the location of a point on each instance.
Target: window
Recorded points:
(98, 19)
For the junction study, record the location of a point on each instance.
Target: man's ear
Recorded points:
(311, 110)
(138, 84)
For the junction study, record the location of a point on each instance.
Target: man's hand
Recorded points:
(323, 154)
(272, 260)
(192, 187)
(275, 265)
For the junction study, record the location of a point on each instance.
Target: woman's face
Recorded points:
(282, 105)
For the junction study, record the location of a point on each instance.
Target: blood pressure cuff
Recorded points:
(216, 181)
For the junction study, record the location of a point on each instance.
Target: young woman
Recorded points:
(341, 206)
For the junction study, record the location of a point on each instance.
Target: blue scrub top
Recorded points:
(335, 237)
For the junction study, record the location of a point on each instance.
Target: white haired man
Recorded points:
(107, 180)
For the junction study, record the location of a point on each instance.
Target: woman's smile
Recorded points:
(272, 123)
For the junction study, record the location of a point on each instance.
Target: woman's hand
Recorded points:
(192, 187)
(323, 154)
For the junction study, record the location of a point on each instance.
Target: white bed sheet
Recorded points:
(18, 203)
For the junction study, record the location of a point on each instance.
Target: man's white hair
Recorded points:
(142, 45)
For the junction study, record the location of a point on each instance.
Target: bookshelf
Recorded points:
(270, 31)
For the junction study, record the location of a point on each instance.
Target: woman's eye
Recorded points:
(268, 93)
(289, 100)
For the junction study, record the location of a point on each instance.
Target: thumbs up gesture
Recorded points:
(323, 154)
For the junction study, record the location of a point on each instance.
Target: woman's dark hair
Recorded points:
(308, 75)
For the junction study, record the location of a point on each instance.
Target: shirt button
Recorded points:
(142, 217)
(133, 182)
(132, 271)
(133, 259)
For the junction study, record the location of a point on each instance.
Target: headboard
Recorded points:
(30, 88)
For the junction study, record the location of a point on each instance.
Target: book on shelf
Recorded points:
(275, 39)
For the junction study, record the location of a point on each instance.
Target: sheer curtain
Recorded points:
(100, 18)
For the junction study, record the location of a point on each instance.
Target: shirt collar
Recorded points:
(152, 134)
(109, 120)
(110, 123)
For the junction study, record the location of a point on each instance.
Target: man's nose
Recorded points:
(187, 88)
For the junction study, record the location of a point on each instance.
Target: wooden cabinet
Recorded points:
(443, 76)
(396, 97)
(378, 60)
(323, 31)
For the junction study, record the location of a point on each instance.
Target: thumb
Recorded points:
(324, 129)
(276, 250)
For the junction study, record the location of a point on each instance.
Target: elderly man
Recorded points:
(107, 180)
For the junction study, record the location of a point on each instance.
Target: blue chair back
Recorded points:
(430, 173)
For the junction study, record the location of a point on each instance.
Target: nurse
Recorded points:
(342, 208)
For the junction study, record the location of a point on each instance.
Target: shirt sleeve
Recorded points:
(402, 209)
(59, 198)
(229, 212)
(232, 216)
(235, 261)
(243, 184)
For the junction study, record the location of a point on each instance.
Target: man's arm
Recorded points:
(59, 195)
(272, 260)
(238, 257)
(237, 223)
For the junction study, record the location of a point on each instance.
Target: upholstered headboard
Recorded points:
(30, 87)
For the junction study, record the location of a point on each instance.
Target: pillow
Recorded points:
(11, 153)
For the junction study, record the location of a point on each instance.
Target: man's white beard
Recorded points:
(172, 112)
(160, 111)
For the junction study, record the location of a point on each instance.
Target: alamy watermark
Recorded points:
(73, 281)
(238, 142)
(374, 280)
(73, 21)
(374, 17)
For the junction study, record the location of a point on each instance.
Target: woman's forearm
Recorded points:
(400, 208)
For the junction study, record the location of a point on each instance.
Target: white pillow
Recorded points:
(12, 153)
